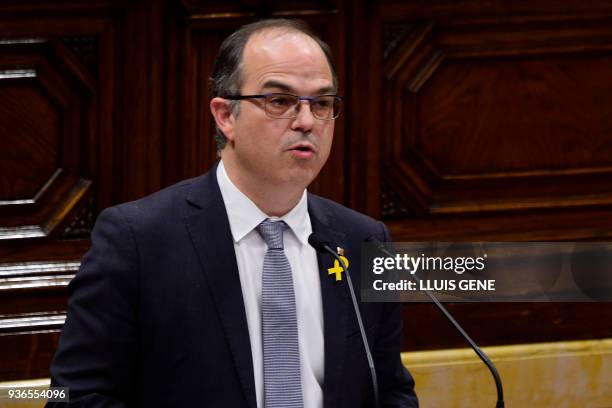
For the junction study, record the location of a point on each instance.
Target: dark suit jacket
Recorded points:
(156, 316)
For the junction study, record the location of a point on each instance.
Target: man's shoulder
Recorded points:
(341, 215)
(166, 205)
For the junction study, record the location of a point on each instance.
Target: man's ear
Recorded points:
(221, 111)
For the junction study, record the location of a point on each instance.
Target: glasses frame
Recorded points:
(310, 99)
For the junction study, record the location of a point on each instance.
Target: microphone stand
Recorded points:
(324, 247)
(481, 354)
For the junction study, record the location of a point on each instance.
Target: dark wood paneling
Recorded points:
(21, 102)
(528, 122)
(522, 105)
(469, 120)
(496, 127)
(27, 355)
(503, 323)
(44, 125)
(363, 65)
(58, 158)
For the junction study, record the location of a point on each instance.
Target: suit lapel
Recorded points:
(336, 298)
(210, 233)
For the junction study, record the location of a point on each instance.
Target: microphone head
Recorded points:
(317, 242)
(379, 245)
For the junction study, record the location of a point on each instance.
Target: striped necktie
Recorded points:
(281, 352)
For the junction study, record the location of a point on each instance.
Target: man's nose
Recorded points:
(304, 120)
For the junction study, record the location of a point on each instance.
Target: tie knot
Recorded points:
(272, 233)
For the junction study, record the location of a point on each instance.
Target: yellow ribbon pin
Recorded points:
(337, 269)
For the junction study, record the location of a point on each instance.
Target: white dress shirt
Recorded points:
(250, 250)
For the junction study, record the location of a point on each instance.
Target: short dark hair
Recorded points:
(226, 78)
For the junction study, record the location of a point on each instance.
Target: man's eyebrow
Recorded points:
(326, 90)
(276, 84)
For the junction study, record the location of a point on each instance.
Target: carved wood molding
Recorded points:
(82, 223)
(86, 49)
(31, 323)
(199, 10)
(37, 275)
(47, 93)
(416, 151)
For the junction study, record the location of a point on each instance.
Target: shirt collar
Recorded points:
(244, 215)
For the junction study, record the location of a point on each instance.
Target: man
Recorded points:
(207, 293)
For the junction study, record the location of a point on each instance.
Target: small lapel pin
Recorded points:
(337, 269)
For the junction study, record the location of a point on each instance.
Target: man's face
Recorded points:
(281, 151)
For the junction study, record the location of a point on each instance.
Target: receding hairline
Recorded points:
(286, 30)
(283, 30)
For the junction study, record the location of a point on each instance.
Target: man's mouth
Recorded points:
(303, 150)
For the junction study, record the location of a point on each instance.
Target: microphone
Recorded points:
(481, 354)
(320, 245)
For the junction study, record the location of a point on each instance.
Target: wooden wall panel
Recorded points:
(469, 120)
(21, 101)
(496, 126)
(528, 124)
(521, 105)
(58, 160)
(492, 116)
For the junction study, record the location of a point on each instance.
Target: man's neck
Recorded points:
(273, 199)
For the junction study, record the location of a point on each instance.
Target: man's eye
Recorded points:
(323, 103)
(281, 101)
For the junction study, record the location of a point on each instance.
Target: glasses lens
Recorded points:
(326, 107)
(281, 105)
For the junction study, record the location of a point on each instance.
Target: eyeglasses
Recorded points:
(285, 106)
